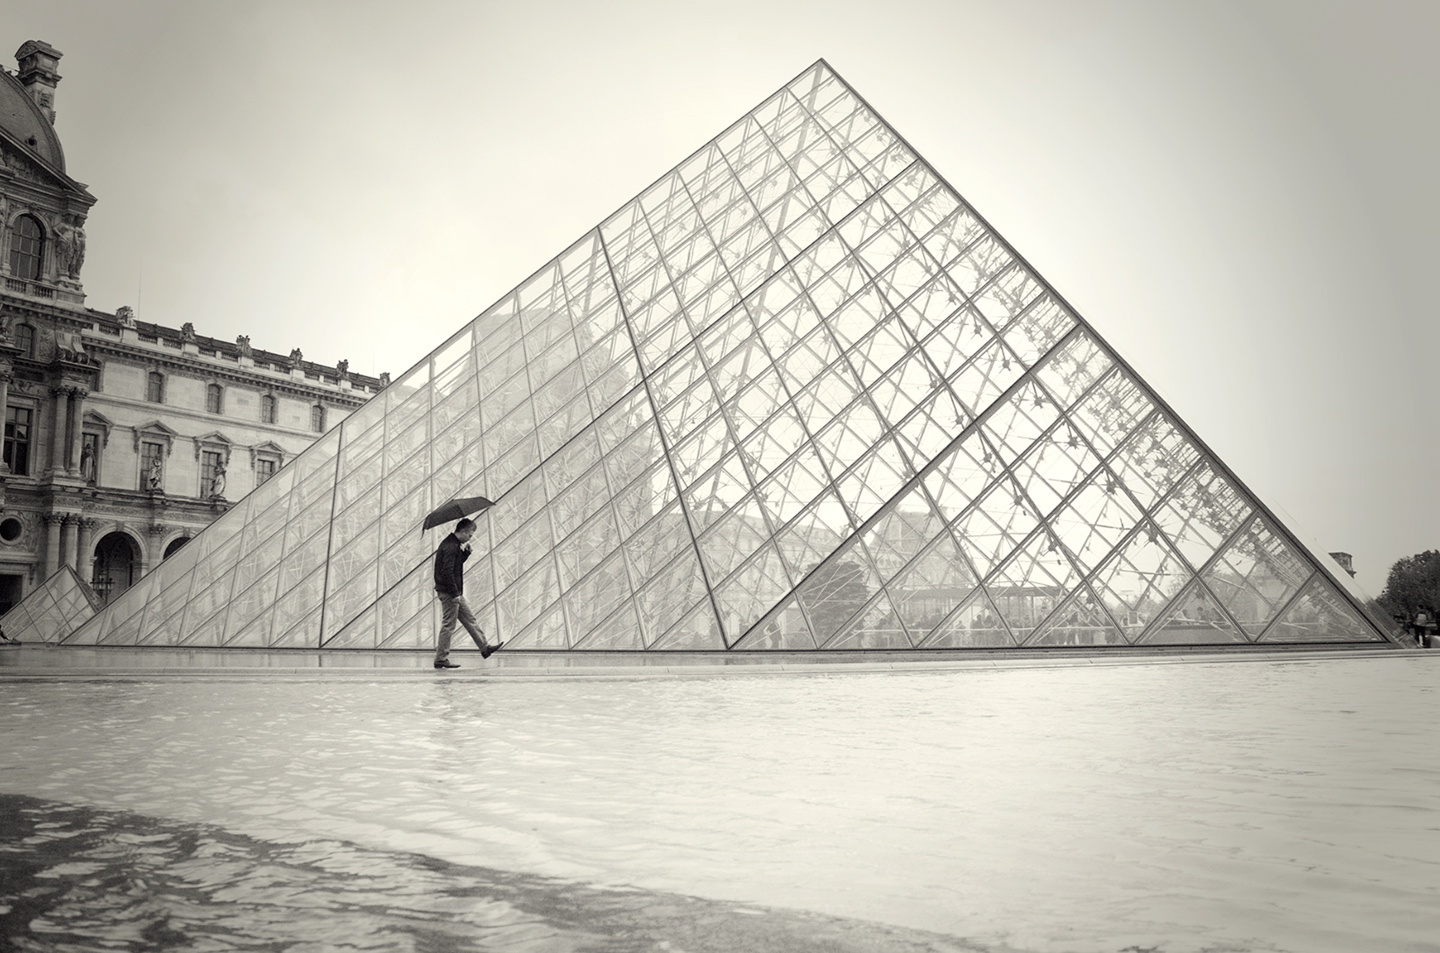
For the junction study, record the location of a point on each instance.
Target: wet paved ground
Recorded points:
(1270, 805)
(81, 879)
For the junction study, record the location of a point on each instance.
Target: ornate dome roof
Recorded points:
(22, 119)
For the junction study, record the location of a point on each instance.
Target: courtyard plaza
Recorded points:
(1177, 802)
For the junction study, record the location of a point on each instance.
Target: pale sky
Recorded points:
(1239, 197)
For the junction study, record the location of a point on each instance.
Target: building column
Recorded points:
(61, 420)
(52, 544)
(70, 523)
(77, 426)
(83, 556)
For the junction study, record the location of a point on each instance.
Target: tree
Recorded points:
(1413, 584)
(834, 593)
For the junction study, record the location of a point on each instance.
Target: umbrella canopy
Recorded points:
(457, 509)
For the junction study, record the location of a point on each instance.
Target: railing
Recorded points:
(20, 286)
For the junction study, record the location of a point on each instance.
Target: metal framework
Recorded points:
(796, 395)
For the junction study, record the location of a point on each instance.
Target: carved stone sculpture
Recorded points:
(243, 343)
(69, 347)
(217, 483)
(69, 246)
(343, 367)
(296, 357)
(187, 331)
(125, 315)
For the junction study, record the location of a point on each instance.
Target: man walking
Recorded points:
(450, 587)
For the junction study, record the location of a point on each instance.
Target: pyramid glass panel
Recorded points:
(975, 624)
(1255, 576)
(1194, 617)
(53, 610)
(1139, 579)
(1320, 614)
(796, 396)
(1081, 621)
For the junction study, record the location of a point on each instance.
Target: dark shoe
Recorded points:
(447, 664)
(490, 650)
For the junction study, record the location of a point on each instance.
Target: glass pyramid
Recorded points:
(52, 611)
(796, 395)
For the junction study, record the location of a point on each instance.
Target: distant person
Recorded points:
(5, 639)
(450, 587)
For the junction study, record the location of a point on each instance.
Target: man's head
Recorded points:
(464, 530)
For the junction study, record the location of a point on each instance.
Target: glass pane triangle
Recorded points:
(672, 595)
(1140, 579)
(876, 626)
(927, 590)
(1256, 575)
(305, 634)
(407, 613)
(1032, 583)
(597, 596)
(1153, 459)
(751, 592)
(836, 590)
(1094, 521)
(1320, 614)
(546, 632)
(697, 632)
(786, 629)
(1192, 618)
(1081, 621)
(1201, 513)
(359, 634)
(620, 632)
(976, 624)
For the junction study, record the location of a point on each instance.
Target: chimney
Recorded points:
(37, 61)
(1345, 561)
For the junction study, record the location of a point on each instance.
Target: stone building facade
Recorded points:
(123, 439)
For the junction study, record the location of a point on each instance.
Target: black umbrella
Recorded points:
(457, 509)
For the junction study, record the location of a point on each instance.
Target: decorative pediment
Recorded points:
(269, 450)
(94, 420)
(214, 440)
(157, 432)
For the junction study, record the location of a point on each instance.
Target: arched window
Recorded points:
(317, 418)
(155, 387)
(213, 395)
(267, 408)
(25, 340)
(27, 247)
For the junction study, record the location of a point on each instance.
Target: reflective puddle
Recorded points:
(1169, 807)
(83, 879)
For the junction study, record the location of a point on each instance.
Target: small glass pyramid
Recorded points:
(796, 395)
(53, 610)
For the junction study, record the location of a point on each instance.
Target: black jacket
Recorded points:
(450, 567)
